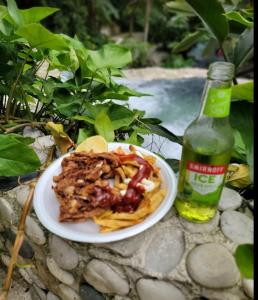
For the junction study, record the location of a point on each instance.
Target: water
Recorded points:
(175, 102)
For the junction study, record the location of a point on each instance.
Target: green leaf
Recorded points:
(14, 12)
(241, 119)
(82, 135)
(39, 37)
(3, 11)
(174, 164)
(85, 119)
(22, 139)
(104, 127)
(188, 41)
(133, 139)
(244, 48)
(211, 13)
(239, 151)
(36, 14)
(16, 158)
(243, 91)
(109, 56)
(162, 131)
(244, 256)
(236, 16)
(180, 7)
(120, 116)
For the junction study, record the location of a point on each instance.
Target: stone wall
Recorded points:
(173, 260)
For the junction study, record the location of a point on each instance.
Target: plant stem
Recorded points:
(12, 129)
(10, 96)
(227, 60)
(86, 95)
(17, 244)
(36, 109)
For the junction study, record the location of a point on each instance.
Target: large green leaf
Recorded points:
(241, 119)
(188, 41)
(16, 158)
(180, 6)
(109, 56)
(243, 91)
(211, 13)
(162, 131)
(104, 127)
(244, 47)
(39, 37)
(236, 16)
(3, 11)
(120, 116)
(244, 256)
(14, 12)
(36, 14)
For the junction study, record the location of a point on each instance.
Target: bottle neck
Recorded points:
(216, 99)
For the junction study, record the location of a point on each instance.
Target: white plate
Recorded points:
(47, 207)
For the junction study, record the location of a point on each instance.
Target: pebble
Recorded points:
(32, 132)
(26, 250)
(6, 212)
(42, 145)
(105, 278)
(57, 272)
(64, 255)
(212, 266)
(51, 296)
(87, 292)
(126, 247)
(34, 232)
(230, 199)
(248, 286)
(67, 293)
(237, 227)
(167, 243)
(22, 193)
(210, 226)
(149, 289)
(37, 293)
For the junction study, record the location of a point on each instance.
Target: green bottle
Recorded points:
(207, 147)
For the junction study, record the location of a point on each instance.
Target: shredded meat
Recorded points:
(82, 187)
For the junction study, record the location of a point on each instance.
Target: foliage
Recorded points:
(81, 100)
(244, 255)
(231, 26)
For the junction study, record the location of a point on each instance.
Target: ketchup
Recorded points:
(132, 197)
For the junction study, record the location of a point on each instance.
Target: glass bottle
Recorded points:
(207, 147)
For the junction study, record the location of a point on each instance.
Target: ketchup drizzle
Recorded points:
(132, 197)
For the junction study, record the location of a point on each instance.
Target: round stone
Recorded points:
(67, 293)
(237, 227)
(51, 296)
(248, 286)
(42, 145)
(6, 212)
(106, 278)
(22, 193)
(58, 273)
(230, 199)
(34, 232)
(149, 289)
(203, 227)
(212, 266)
(32, 132)
(64, 255)
(167, 243)
(88, 292)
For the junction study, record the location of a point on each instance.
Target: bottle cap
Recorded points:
(223, 71)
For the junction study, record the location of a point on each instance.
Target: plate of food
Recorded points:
(98, 196)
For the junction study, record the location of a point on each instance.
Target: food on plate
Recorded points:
(94, 144)
(116, 189)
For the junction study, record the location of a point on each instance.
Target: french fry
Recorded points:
(156, 199)
(120, 171)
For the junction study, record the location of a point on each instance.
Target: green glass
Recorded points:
(207, 147)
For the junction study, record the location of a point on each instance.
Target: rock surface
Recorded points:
(149, 289)
(34, 231)
(64, 255)
(168, 244)
(237, 227)
(229, 199)
(106, 278)
(202, 228)
(248, 285)
(57, 272)
(212, 266)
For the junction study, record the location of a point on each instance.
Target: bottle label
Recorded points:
(217, 103)
(203, 182)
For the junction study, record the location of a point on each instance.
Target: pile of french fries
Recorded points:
(111, 221)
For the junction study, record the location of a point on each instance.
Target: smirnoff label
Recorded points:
(204, 179)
